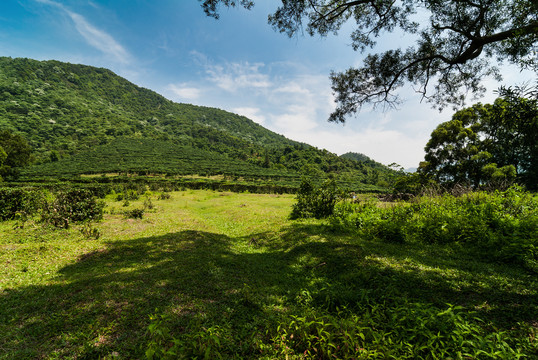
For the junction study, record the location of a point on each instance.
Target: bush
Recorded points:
(17, 201)
(403, 330)
(134, 214)
(501, 225)
(74, 205)
(164, 196)
(397, 329)
(214, 342)
(316, 202)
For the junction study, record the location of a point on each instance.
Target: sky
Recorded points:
(237, 63)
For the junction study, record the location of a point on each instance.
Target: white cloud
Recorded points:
(296, 118)
(298, 106)
(235, 76)
(382, 145)
(184, 92)
(250, 112)
(292, 88)
(95, 37)
(305, 102)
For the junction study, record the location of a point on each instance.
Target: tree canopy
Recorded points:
(14, 152)
(487, 143)
(457, 44)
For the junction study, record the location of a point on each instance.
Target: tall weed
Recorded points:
(403, 330)
(501, 225)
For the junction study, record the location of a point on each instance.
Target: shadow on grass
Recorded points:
(503, 294)
(99, 307)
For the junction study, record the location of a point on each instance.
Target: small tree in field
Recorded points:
(72, 206)
(15, 152)
(316, 202)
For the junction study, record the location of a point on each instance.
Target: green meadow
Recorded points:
(213, 275)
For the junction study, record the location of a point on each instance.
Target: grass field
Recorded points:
(226, 275)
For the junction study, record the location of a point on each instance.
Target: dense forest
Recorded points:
(81, 119)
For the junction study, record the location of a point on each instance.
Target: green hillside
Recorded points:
(146, 156)
(81, 119)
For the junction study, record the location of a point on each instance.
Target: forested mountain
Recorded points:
(364, 159)
(71, 114)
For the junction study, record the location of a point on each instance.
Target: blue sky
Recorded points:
(237, 63)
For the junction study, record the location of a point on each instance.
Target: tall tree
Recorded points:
(487, 143)
(511, 132)
(456, 44)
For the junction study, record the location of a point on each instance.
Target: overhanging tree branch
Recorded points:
(456, 48)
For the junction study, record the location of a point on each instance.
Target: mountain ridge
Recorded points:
(66, 110)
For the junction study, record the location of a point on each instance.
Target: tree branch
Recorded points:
(477, 44)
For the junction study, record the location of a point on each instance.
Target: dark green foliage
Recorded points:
(90, 232)
(398, 329)
(15, 152)
(145, 157)
(164, 196)
(215, 342)
(501, 225)
(412, 183)
(72, 206)
(489, 145)
(315, 201)
(19, 201)
(134, 214)
(127, 195)
(456, 44)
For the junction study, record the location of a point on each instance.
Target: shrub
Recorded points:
(403, 330)
(90, 232)
(164, 196)
(127, 195)
(212, 342)
(19, 202)
(500, 225)
(134, 213)
(148, 204)
(74, 205)
(397, 329)
(316, 202)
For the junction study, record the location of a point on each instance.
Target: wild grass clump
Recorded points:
(137, 213)
(403, 330)
(501, 225)
(198, 342)
(371, 329)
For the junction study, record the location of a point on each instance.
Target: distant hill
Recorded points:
(81, 119)
(362, 158)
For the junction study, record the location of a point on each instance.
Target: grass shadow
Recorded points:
(99, 306)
